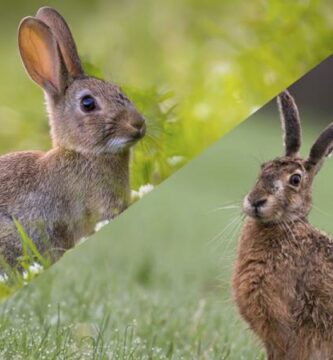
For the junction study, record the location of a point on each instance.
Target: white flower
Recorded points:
(101, 224)
(175, 160)
(3, 278)
(35, 268)
(82, 240)
(145, 189)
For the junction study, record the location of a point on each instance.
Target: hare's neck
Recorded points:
(258, 233)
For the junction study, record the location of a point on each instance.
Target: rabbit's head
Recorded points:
(87, 114)
(282, 192)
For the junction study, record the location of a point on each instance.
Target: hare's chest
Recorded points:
(263, 289)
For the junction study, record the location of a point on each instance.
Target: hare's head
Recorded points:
(282, 192)
(86, 114)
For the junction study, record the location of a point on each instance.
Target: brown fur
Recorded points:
(59, 196)
(283, 276)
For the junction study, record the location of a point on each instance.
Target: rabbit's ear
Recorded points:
(291, 124)
(41, 56)
(64, 38)
(320, 150)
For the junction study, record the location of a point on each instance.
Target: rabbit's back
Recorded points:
(19, 174)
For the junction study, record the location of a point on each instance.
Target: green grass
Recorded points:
(28, 266)
(159, 288)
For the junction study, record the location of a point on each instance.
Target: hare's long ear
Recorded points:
(320, 150)
(65, 39)
(291, 124)
(41, 56)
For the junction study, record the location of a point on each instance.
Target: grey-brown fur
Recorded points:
(60, 195)
(283, 277)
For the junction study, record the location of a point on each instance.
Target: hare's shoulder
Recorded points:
(320, 243)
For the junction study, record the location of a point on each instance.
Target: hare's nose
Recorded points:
(257, 204)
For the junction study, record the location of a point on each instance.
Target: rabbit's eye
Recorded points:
(88, 103)
(295, 179)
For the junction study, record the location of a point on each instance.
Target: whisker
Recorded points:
(228, 230)
(228, 207)
(321, 211)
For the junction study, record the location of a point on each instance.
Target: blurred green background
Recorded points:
(194, 68)
(155, 284)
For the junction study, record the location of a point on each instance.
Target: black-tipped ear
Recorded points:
(320, 150)
(291, 124)
(65, 39)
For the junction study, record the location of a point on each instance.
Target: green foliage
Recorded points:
(30, 251)
(195, 69)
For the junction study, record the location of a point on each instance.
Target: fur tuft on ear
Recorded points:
(291, 124)
(40, 54)
(320, 150)
(64, 37)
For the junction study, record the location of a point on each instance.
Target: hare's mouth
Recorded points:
(255, 213)
(260, 209)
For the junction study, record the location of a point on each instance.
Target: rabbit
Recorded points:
(58, 196)
(283, 274)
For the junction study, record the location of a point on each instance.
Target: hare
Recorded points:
(60, 195)
(283, 276)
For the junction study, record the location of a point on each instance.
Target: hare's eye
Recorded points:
(295, 179)
(88, 103)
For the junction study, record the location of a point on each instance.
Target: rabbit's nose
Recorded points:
(258, 203)
(137, 122)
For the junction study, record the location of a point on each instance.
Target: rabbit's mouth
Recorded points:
(120, 143)
(117, 144)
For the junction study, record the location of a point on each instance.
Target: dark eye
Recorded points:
(88, 103)
(295, 179)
